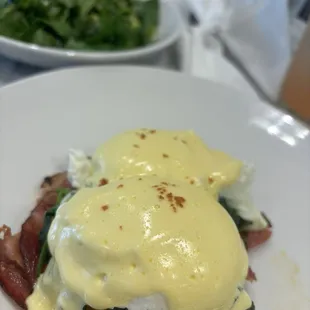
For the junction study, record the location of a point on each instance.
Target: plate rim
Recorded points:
(152, 70)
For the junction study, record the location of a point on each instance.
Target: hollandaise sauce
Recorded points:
(180, 155)
(145, 236)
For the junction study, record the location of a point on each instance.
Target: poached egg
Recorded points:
(178, 155)
(143, 236)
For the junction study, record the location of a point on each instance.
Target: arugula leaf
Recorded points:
(86, 7)
(88, 25)
(42, 37)
(3, 3)
(49, 217)
(59, 26)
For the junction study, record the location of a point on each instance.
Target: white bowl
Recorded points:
(170, 30)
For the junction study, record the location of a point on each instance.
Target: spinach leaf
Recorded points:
(44, 258)
(239, 221)
(79, 24)
(49, 216)
(252, 307)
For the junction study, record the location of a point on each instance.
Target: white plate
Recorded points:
(170, 31)
(42, 117)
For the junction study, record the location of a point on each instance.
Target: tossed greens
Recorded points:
(81, 24)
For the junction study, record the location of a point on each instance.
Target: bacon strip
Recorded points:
(19, 253)
(252, 239)
(12, 277)
(29, 241)
(9, 246)
(251, 277)
(51, 183)
(14, 282)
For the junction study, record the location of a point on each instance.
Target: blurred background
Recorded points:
(251, 45)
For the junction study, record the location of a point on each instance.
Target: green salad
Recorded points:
(109, 25)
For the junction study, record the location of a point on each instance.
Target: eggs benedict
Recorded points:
(143, 237)
(175, 154)
(153, 220)
(180, 155)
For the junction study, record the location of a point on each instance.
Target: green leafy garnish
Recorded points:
(49, 216)
(239, 221)
(252, 307)
(44, 258)
(81, 24)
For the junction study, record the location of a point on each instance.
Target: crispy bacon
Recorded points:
(29, 241)
(9, 246)
(19, 253)
(51, 183)
(251, 277)
(15, 282)
(12, 276)
(253, 239)
(6, 230)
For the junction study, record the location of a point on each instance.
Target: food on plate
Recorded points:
(173, 154)
(176, 154)
(153, 220)
(81, 25)
(140, 236)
